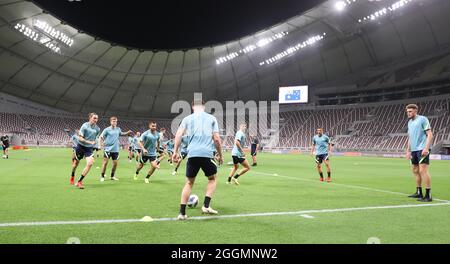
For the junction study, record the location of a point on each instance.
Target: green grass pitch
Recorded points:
(35, 188)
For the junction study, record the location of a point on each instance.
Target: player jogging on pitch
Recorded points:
(130, 148)
(420, 137)
(238, 155)
(202, 130)
(136, 147)
(4, 140)
(110, 142)
(87, 136)
(149, 143)
(74, 141)
(322, 147)
(170, 146)
(161, 153)
(254, 150)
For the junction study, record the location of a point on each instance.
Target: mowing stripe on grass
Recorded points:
(340, 184)
(307, 216)
(86, 222)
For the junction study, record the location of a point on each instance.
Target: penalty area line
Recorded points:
(198, 218)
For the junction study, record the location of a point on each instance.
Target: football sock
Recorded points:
(103, 175)
(321, 175)
(229, 179)
(428, 193)
(237, 176)
(81, 178)
(207, 201)
(419, 191)
(112, 175)
(329, 174)
(182, 209)
(73, 174)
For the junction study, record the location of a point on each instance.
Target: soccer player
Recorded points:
(202, 130)
(149, 143)
(74, 139)
(136, 147)
(238, 156)
(130, 148)
(87, 136)
(170, 145)
(4, 140)
(161, 153)
(110, 142)
(418, 151)
(183, 153)
(254, 150)
(322, 147)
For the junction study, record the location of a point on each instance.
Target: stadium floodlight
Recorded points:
(38, 37)
(293, 49)
(259, 44)
(384, 11)
(340, 6)
(52, 33)
(343, 4)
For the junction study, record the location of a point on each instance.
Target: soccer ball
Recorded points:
(193, 201)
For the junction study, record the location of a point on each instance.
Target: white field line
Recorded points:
(340, 184)
(304, 212)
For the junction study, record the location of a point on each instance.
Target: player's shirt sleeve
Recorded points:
(314, 141)
(426, 124)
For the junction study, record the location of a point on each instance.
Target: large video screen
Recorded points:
(293, 95)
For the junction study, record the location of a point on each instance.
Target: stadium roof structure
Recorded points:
(333, 39)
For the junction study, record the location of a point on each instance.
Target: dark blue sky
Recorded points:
(170, 24)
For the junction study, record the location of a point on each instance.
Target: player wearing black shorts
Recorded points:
(149, 143)
(130, 148)
(161, 152)
(203, 131)
(110, 142)
(322, 147)
(254, 150)
(135, 143)
(420, 137)
(238, 156)
(5, 145)
(87, 136)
